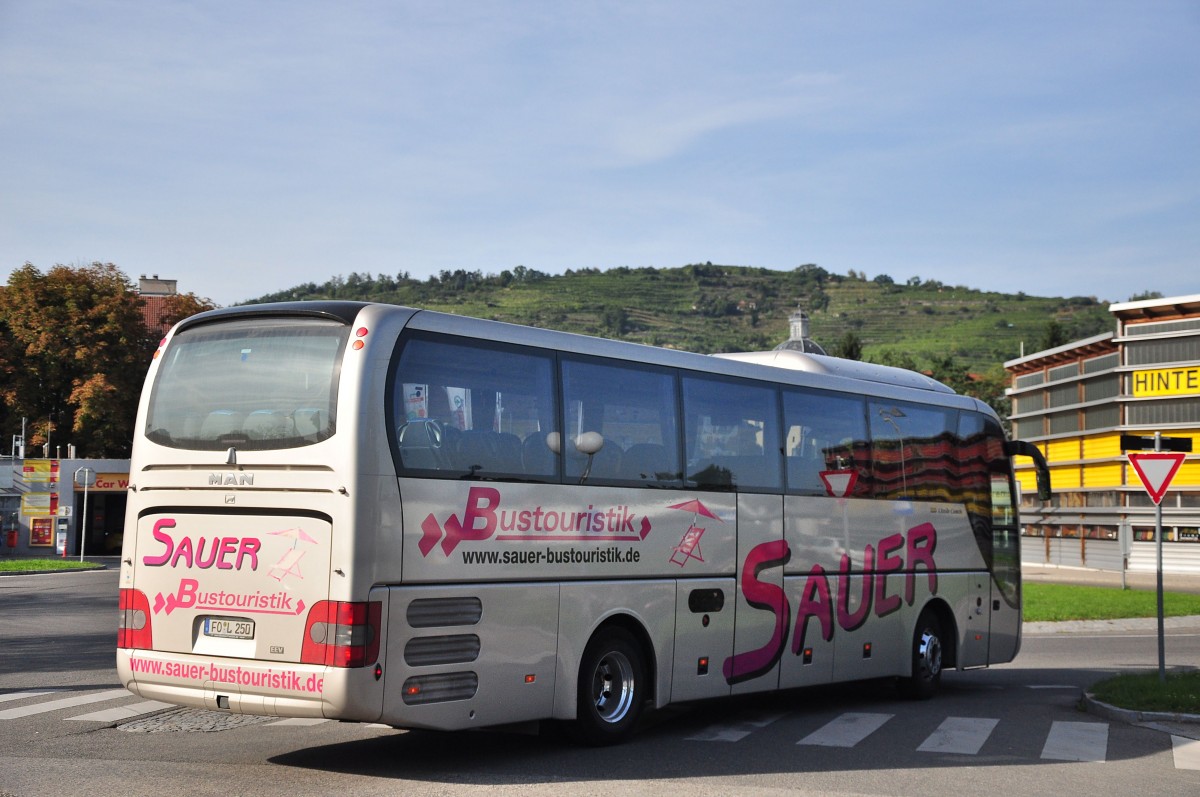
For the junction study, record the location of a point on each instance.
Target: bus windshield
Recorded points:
(251, 385)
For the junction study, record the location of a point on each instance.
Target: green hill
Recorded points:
(711, 308)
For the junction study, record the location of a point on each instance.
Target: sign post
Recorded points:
(86, 477)
(1156, 472)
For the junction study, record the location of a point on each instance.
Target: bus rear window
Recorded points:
(249, 384)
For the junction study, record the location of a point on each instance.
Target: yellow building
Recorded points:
(1075, 401)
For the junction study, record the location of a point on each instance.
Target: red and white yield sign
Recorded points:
(1156, 471)
(839, 483)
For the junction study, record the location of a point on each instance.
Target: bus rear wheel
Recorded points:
(926, 657)
(611, 688)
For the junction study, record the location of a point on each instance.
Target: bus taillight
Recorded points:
(342, 634)
(133, 627)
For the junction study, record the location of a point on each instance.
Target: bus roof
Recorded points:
(800, 368)
(836, 366)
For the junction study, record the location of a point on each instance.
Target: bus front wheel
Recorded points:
(926, 657)
(612, 688)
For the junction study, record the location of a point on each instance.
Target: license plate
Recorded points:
(229, 627)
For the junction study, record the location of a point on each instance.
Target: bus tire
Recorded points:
(926, 657)
(612, 688)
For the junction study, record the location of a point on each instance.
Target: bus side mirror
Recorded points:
(1020, 448)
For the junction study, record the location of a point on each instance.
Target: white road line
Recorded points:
(21, 695)
(963, 735)
(1077, 741)
(1186, 752)
(847, 730)
(66, 702)
(735, 730)
(299, 721)
(122, 712)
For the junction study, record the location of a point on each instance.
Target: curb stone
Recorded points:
(1158, 720)
(1128, 624)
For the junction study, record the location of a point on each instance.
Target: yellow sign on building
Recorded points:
(1166, 382)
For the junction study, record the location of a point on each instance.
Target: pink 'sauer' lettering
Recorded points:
(816, 598)
(225, 553)
(922, 541)
(768, 597)
(853, 620)
(814, 602)
(886, 604)
(482, 519)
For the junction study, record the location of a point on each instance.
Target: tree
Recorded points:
(178, 307)
(953, 374)
(989, 387)
(897, 359)
(1053, 336)
(73, 351)
(1145, 296)
(849, 346)
(616, 321)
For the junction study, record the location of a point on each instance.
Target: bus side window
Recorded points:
(913, 450)
(732, 434)
(632, 408)
(824, 432)
(988, 492)
(466, 409)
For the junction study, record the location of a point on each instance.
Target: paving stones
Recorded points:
(191, 720)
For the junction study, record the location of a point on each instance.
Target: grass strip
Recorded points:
(1180, 693)
(1058, 602)
(46, 565)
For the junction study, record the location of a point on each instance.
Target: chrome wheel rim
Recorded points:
(613, 687)
(929, 654)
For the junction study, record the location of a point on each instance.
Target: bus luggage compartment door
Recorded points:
(703, 638)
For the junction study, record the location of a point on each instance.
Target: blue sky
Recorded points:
(244, 148)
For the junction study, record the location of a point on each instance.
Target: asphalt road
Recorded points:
(58, 633)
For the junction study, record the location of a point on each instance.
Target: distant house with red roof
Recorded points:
(155, 294)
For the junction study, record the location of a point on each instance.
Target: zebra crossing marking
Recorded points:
(737, 729)
(847, 730)
(122, 712)
(21, 695)
(1066, 741)
(66, 702)
(1186, 752)
(963, 735)
(1077, 741)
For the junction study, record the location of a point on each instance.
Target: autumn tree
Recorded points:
(73, 353)
(176, 308)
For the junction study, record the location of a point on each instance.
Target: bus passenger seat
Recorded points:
(420, 443)
(220, 423)
(606, 464)
(307, 421)
(475, 451)
(536, 455)
(266, 425)
(508, 453)
(645, 462)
